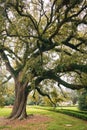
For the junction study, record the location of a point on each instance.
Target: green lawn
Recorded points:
(58, 121)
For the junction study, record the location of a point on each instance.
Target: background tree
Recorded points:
(2, 90)
(34, 98)
(9, 95)
(1, 95)
(40, 40)
(83, 100)
(72, 96)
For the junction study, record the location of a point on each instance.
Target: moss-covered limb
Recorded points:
(68, 85)
(6, 60)
(53, 76)
(70, 67)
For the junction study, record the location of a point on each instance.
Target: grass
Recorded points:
(5, 111)
(3, 127)
(59, 121)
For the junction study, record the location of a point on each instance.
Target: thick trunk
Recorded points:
(19, 108)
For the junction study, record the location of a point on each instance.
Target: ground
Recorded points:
(31, 121)
(42, 119)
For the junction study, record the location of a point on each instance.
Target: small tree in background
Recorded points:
(1, 96)
(83, 100)
(2, 90)
(82, 104)
(34, 98)
(73, 96)
(9, 96)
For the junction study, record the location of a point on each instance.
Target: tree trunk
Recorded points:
(19, 108)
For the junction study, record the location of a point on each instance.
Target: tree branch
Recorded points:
(6, 60)
(45, 94)
(8, 78)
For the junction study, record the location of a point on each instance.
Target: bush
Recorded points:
(2, 91)
(83, 100)
(74, 113)
(78, 114)
(1, 101)
(9, 100)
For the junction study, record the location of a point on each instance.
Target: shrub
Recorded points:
(83, 100)
(78, 114)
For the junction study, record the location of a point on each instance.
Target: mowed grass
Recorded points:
(58, 121)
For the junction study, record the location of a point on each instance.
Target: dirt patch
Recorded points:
(35, 122)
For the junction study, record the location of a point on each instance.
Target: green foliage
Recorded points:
(34, 98)
(6, 94)
(81, 115)
(83, 100)
(9, 100)
(1, 99)
(30, 24)
(2, 92)
(9, 95)
(73, 96)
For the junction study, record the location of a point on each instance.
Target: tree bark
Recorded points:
(19, 107)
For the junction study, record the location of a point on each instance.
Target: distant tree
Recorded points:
(2, 100)
(34, 98)
(73, 96)
(2, 91)
(58, 96)
(9, 95)
(83, 100)
(39, 41)
(83, 93)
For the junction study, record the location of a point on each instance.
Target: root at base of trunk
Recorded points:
(20, 117)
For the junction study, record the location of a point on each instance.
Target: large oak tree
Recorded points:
(42, 40)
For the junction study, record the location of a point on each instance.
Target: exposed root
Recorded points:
(21, 117)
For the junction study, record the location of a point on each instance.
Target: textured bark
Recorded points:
(19, 108)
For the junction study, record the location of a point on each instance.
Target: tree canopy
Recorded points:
(44, 40)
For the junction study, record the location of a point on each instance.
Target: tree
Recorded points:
(83, 100)
(34, 98)
(72, 96)
(39, 41)
(1, 95)
(9, 95)
(2, 90)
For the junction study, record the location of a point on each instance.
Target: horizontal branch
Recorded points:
(71, 67)
(51, 75)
